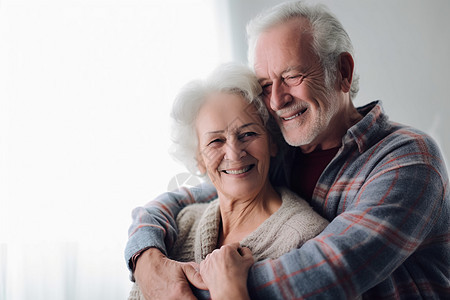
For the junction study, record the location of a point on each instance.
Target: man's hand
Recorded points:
(161, 278)
(225, 272)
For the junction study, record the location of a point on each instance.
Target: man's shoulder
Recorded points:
(399, 148)
(378, 136)
(406, 140)
(376, 128)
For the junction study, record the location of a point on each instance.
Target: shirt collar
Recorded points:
(367, 131)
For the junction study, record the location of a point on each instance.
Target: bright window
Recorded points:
(85, 93)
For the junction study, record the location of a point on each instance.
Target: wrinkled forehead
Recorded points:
(282, 43)
(224, 111)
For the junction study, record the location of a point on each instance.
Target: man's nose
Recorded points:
(280, 96)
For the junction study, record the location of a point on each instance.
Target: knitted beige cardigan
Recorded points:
(288, 228)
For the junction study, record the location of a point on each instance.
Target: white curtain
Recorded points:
(85, 92)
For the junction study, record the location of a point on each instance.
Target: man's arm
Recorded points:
(390, 218)
(161, 278)
(154, 224)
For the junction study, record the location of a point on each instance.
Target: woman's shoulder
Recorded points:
(301, 217)
(187, 221)
(293, 202)
(193, 212)
(291, 226)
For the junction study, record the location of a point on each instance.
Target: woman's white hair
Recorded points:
(227, 78)
(329, 36)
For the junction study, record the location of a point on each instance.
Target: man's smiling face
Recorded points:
(293, 83)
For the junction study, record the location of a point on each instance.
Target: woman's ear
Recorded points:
(346, 65)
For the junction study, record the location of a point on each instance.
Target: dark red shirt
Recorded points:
(307, 170)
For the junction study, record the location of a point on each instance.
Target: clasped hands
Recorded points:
(223, 272)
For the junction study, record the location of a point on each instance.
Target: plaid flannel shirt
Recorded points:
(386, 196)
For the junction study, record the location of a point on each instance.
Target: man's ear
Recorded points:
(346, 65)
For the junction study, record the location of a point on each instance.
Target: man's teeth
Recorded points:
(290, 118)
(236, 172)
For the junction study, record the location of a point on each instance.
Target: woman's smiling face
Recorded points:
(234, 146)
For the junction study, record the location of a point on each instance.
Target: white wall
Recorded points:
(402, 55)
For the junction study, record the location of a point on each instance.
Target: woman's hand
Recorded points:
(225, 271)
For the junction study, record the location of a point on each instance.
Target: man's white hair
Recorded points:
(227, 78)
(329, 36)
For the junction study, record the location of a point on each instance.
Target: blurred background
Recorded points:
(85, 93)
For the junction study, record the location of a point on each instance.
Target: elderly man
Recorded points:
(383, 186)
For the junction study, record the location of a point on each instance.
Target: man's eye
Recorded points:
(293, 80)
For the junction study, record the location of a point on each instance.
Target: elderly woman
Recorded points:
(220, 130)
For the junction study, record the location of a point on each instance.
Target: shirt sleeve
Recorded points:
(154, 224)
(387, 219)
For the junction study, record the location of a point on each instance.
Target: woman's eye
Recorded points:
(247, 135)
(215, 142)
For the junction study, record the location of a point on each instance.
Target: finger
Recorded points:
(191, 271)
(246, 252)
(228, 249)
(247, 256)
(235, 246)
(195, 265)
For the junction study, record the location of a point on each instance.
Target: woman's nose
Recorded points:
(234, 150)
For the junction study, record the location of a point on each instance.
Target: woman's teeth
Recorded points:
(236, 172)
